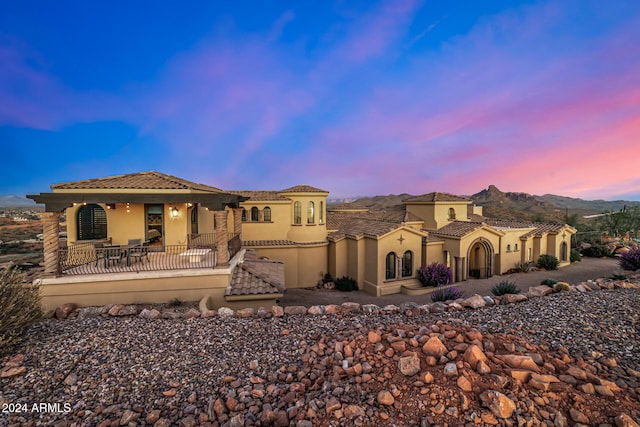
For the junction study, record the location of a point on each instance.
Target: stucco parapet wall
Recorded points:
(469, 303)
(280, 243)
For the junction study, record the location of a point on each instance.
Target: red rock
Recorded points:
(434, 347)
(498, 403)
(385, 398)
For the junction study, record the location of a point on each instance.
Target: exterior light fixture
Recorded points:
(189, 205)
(174, 212)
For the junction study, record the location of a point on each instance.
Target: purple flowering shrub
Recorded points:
(631, 260)
(435, 274)
(446, 294)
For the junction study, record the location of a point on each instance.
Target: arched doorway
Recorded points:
(480, 258)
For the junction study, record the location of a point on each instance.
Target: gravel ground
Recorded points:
(105, 364)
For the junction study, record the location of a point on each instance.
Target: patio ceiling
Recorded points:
(58, 202)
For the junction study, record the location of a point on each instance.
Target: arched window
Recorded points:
(452, 214)
(508, 248)
(563, 251)
(321, 213)
(254, 214)
(311, 218)
(391, 266)
(515, 247)
(407, 264)
(244, 214)
(92, 222)
(266, 214)
(297, 213)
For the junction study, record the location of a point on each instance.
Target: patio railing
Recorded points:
(201, 240)
(85, 259)
(235, 244)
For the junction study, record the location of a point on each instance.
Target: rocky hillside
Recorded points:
(566, 359)
(516, 206)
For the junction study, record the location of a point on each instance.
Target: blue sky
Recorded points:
(358, 98)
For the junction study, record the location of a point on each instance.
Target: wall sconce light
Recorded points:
(128, 208)
(189, 205)
(174, 212)
(111, 205)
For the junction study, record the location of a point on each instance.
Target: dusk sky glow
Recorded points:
(355, 97)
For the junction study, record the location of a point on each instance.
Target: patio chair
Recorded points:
(112, 254)
(140, 252)
(99, 248)
(133, 242)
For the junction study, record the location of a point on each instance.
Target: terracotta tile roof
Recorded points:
(358, 226)
(437, 197)
(303, 189)
(257, 277)
(456, 229)
(258, 243)
(539, 228)
(260, 195)
(139, 181)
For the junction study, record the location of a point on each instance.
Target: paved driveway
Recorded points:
(588, 268)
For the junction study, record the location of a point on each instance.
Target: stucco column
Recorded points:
(51, 230)
(459, 269)
(222, 238)
(237, 222)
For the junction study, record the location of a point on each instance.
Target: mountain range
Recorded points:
(15, 201)
(517, 206)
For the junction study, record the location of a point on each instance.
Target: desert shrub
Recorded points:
(561, 286)
(19, 305)
(346, 284)
(549, 282)
(446, 294)
(631, 260)
(174, 303)
(435, 274)
(548, 262)
(575, 256)
(505, 287)
(597, 251)
(523, 267)
(617, 275)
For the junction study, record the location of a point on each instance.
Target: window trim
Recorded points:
(266, 214)
(311, 213)
(255, 214)
(297, 213)
(391, 266)
(408, 270)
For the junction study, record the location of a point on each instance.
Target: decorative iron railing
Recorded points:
(85, 259)
(201, 240)
(235, 244)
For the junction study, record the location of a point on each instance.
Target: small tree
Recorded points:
(19, 307)
(435, 274)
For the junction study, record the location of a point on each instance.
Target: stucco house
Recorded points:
(180, 239)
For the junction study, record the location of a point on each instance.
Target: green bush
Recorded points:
(346, 284)
(549, 282)
(548, 262)
(505, 287)
(575, 256)
(19, 308)
(597, 251)
(523, 267)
